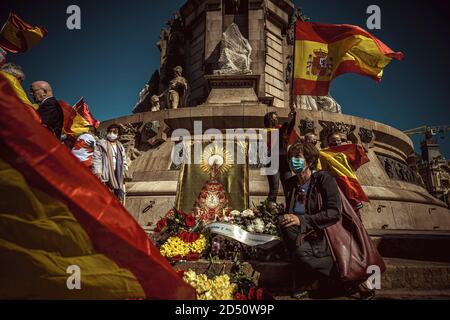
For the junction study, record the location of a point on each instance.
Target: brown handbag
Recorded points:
(352, 249)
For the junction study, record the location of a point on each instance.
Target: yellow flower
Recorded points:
(174, 246)
(218, 288)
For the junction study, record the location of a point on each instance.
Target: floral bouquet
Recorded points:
(224, 287)
(219, 287)
(261, 219)
(178, 236)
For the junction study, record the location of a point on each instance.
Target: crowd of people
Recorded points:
(312, 196)
(105, 157)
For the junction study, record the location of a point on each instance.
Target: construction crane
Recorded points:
(428, 131)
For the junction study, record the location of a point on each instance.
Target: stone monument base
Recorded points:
(232, 89)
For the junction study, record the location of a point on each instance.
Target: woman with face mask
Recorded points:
(312, 203)
(110, 162)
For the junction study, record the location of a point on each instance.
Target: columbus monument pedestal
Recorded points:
(405, 220)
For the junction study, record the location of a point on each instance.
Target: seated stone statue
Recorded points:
(177, 89)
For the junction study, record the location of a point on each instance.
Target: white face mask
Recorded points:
(112, 136)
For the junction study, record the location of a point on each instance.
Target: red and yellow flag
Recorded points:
(77, 118)
(17, 88)
(55, 214)
(19, 36)
(343, 161)
(325, 51)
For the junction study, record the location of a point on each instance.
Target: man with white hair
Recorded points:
(49, 108)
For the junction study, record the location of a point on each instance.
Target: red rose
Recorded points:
(188, 236)
(160, 225)
(189, 220)
(263, 294)
(259, 294)
(251, 293)
(240, 296)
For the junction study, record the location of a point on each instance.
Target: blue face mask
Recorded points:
(297, 165)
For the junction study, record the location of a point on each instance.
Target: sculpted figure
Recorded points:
(177, 89)
(155, 103)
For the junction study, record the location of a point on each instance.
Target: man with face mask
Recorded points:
(334, 139)
(110, 163)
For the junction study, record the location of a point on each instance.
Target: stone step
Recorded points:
(413, 244)
(401, 274)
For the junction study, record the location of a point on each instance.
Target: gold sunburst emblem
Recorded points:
(216, 156)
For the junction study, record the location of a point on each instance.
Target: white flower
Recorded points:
(250, 228)
(258, 225)
(235, 213)
(248, 213)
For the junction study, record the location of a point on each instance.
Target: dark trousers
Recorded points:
(274, 183)
(311, 272)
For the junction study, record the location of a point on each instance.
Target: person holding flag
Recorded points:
(280, 148)
(78, 120)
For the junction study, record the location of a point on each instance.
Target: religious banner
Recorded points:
(217, 184)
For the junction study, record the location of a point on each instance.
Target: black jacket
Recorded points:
(312, 238)
(52, 116)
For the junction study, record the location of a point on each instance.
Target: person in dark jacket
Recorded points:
(284, 172)
(49, 109)
(313, 203)
(306, 217)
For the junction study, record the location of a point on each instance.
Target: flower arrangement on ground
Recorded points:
(219, 287)
(261, 219)
(179, 236)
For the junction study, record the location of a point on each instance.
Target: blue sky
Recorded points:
(114, 54)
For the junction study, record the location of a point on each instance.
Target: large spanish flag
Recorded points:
(325, 51)
(55, 214)
(343, 161)
(19, 36)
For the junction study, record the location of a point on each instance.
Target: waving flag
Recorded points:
(17, 91)
(83, 149)
(18, 36)
(343, 161)
(78, 118)
(56, 216)
(325, 51)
